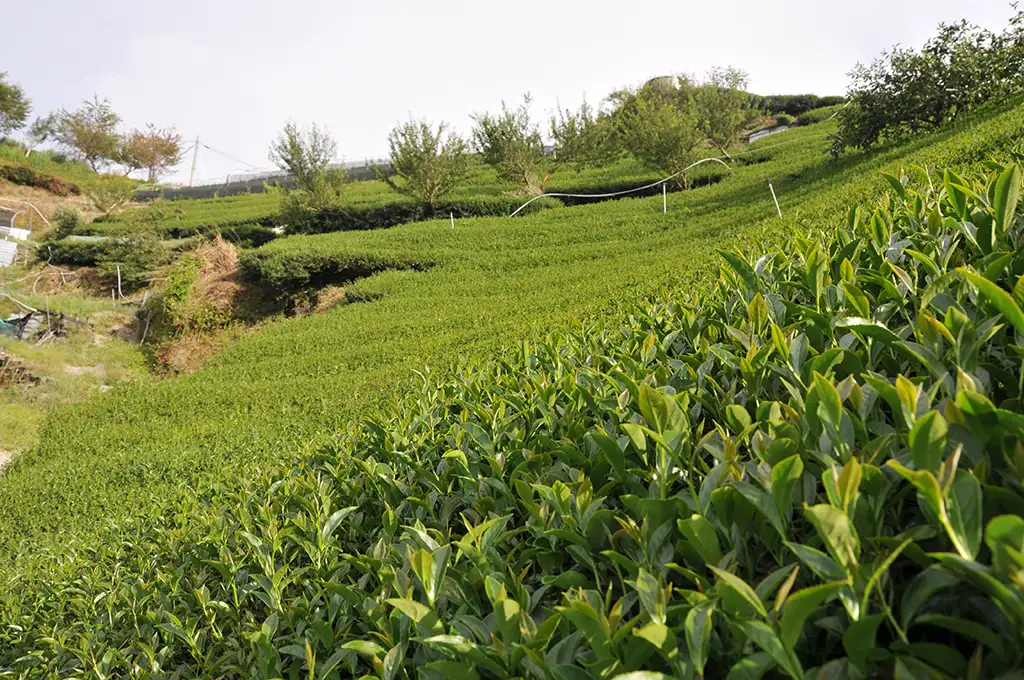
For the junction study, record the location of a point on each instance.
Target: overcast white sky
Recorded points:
(233, 72)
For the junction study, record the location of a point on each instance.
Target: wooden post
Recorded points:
(452, 216)
(664, 199)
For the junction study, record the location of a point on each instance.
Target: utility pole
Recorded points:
(195, 157)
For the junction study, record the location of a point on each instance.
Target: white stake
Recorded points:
(452, 215)
(772, 189)
(664, 199)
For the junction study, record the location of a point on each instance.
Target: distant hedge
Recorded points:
(402, 211)
(30, 177)
(794, 104)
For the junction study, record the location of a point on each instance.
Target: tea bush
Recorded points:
(65, 221)
(813, 466)
(818, 115)
(142, 453)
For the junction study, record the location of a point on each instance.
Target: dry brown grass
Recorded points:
(47, 202)
(218, 276)
(189, 352)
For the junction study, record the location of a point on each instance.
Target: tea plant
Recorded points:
(816, 464)
(150, 450)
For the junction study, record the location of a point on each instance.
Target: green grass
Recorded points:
(128, 452)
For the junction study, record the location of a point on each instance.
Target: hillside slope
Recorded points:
(131, 452)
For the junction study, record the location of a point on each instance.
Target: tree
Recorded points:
(661, 129)
(42, 129)
(584, 137)
(429, 163)
(511, 143)
(154, 150)
(722, 104)
(907, 92)
(14, 106)
(90, 133)
(307, 156)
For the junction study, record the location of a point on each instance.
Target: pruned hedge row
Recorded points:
(811, 469)
(30, 177)
(402, 210)
(296, 269)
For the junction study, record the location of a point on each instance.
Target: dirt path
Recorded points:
(4, 458)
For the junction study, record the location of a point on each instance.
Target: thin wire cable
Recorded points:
(717, 159)
(237, 160)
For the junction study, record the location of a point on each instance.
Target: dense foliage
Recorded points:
(906, 91)
(25, 175)
(90, 132)
(793, 104)
(585, 137)
(723, 106)
(814, 464)
(14, 106)
(661, 127)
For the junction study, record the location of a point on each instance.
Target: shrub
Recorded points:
(783, 119)
(65, 221)
(109, 193)
(18, 173)
(133, 258)
(137, 255)
(300, 268)
(906, 92)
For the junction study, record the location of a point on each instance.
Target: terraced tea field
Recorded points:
(173, 455)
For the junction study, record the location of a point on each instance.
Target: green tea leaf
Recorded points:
(1007, 195)
(859, 640)
(740, 266)
(1004, 536)
(963, 506)
(837, 532)
(737, 585)
(702, 536)
(764, 637)
(921, 589)
(928, 441)
(801, 605)
(785, 476)
(999, 298)
(869, 328)
(652, 596)
(698, 634)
